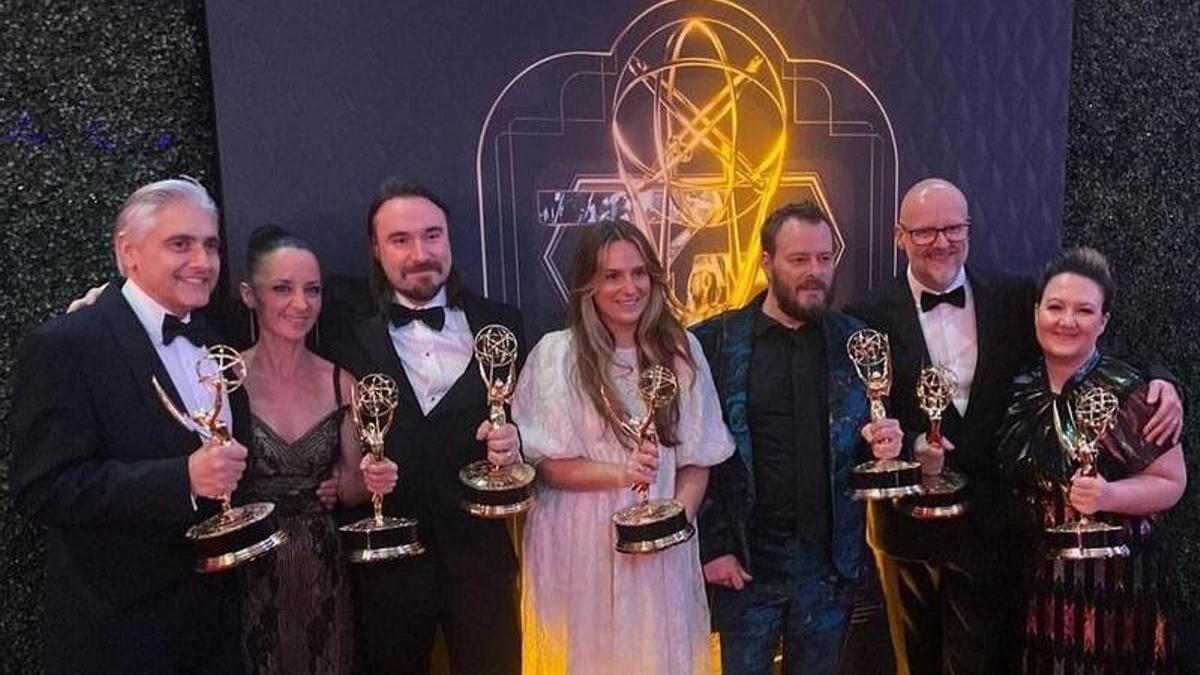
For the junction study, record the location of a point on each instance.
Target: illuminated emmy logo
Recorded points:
(694, 126)
(700, 140)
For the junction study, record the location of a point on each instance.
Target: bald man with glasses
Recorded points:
(952, 598)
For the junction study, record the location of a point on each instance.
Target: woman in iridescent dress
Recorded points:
(1094, 615)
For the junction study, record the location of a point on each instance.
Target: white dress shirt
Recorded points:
(433, 360)
(950, 335)
(179, 357)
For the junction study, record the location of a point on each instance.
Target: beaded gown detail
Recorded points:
(296, 611)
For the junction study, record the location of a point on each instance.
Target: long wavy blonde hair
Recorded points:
(661, 337)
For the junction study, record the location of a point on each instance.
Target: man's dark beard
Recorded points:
(787, 302)
(422, 293)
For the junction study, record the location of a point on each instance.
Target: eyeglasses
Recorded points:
(927, 235)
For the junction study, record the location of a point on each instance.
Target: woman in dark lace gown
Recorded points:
(1105, 615)
(296, 615)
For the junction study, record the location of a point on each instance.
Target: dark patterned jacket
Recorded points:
(728, 342)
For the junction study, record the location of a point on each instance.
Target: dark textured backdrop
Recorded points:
(315, 101)
(95, 101)
(1133, 189)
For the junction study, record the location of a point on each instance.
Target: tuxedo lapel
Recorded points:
(477, 313)
(142, 360)
(377, 342)
(239, 405)
(469, 385)
(909, 351)
(842, 386)
(985, 334)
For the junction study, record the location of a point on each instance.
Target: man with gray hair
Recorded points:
(111, 475)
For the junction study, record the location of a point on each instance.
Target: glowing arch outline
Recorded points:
(611, 52)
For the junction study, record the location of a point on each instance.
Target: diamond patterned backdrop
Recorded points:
(978, 94)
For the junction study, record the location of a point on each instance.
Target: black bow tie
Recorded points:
(956, 297)
(193, 330)
(434, 317)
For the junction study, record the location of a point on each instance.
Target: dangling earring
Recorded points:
(253, 328)
(316, 333)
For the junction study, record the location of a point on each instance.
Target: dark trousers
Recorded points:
(944, 618)
(193, 628)
(399, 606)
(796, 596)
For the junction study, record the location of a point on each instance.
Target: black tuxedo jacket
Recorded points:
(1006, 344)
(101, 464)
(430, 450)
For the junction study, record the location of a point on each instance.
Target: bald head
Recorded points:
(934, 194)
(932, 232)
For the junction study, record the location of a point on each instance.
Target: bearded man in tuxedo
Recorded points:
(423, 337)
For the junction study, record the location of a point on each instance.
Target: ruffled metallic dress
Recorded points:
(1100, 615)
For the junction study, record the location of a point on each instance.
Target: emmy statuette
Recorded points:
(377, 537)
(491, 491)
(941, 495)
(238, 534)
(870, 353)
(651, 525)
(1095, 410)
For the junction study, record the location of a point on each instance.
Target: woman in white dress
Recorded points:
(587, 609)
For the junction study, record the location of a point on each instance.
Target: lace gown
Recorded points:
(296, 614)
(1089, 616)
(587, 610)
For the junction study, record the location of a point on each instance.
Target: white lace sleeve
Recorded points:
(704, 439)
(546, 406)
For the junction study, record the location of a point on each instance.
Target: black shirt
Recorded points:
(788, 412)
